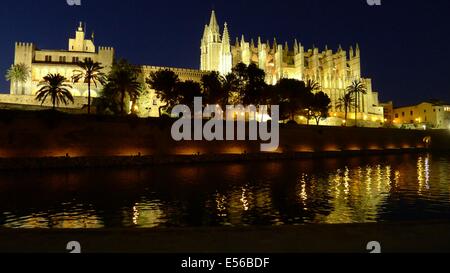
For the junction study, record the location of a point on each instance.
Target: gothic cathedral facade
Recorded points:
(333, 71)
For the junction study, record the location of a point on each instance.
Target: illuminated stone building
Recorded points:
(431, 114)
(42, 62)
(334, 71)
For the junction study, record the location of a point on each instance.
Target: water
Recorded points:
(353, 190)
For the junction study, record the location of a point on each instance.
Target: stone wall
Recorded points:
(79, 103)
(44, 135)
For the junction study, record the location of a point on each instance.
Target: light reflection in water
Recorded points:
(244, 199)
(274, 193)
(221, 202)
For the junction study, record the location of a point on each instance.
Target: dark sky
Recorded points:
(404, 43)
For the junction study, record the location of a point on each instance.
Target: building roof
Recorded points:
(434, 102)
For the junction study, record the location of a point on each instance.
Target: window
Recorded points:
(62, 59)
(396, 115)
(412, 113)
(48, 58)
(425, 110)
(75, 59)
(403, 114)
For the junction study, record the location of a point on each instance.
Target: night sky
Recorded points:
(404, 43)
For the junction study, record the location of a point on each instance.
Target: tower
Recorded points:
(24, 54)
(215, 48)
(226, 58)
(80, 44)
(299, 60)
(355, 64)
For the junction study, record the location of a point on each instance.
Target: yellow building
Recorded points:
(333, 71)
(43, 61)
(430, 114)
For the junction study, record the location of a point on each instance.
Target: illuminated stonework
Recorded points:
(215, 48)
(64, 62)
(431, 114)
(334, 71)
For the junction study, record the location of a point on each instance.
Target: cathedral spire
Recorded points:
(226, 40)
(213, 25)
(205, 33)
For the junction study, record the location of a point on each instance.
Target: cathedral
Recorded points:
(333, 71)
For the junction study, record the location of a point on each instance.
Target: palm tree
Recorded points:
(230, 85)
(345, 102)
(165, 82)
(357, 88)
(92, 73)
(18, 73)
(123, 79)
(312, 86)
(54, 86)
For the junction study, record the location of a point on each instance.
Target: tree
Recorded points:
(255, 86)
(214, 89)
(293, 97)
(164, 82)
(345, 102)
(92, 73)
(18, 74)
(312, 86)
(109, 100)
(187, 91)
(230, 86)
(357, 88)
(320, 106)
(249, 84)
(123, 80)
(54, 86)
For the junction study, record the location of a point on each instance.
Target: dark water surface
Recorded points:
(353, 190)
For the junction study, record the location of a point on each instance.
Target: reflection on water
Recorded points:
(354, 190)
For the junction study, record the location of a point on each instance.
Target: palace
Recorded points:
(333, 71)
(42, 62)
